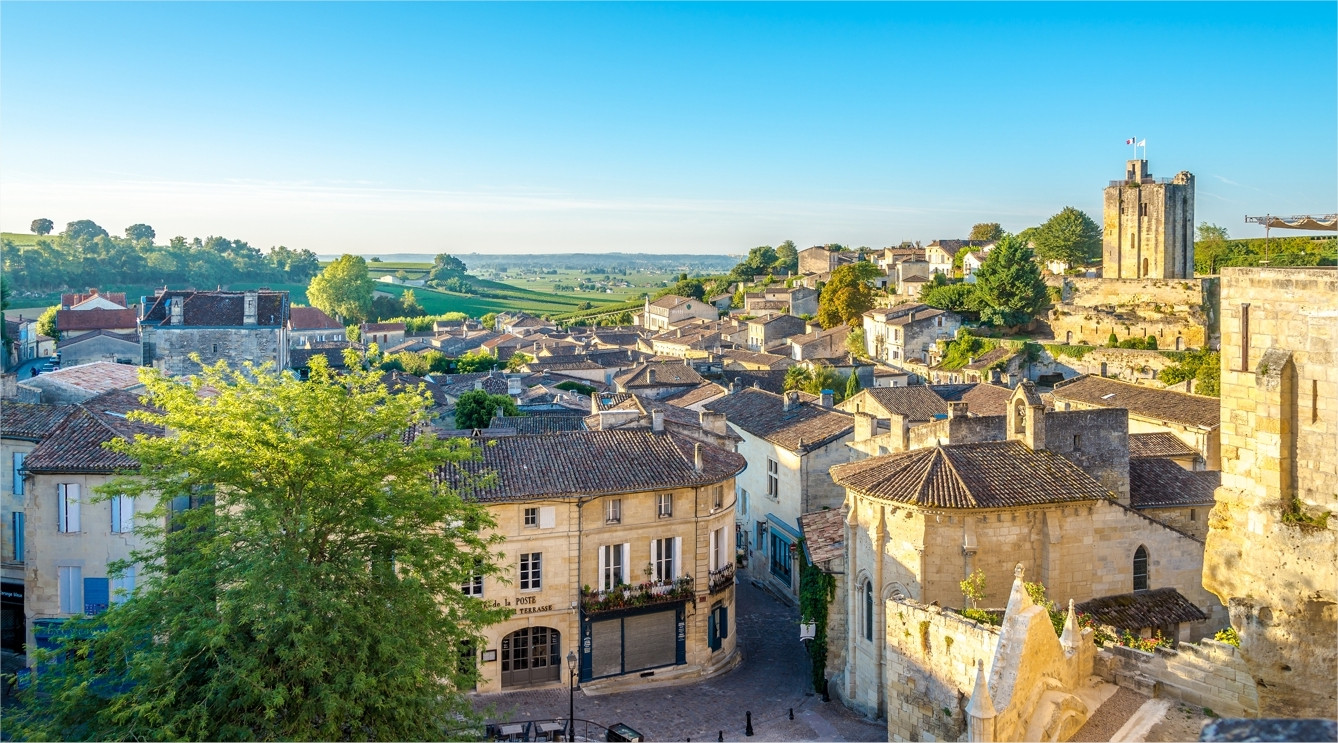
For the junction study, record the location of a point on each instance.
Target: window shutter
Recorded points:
(62, 515)
(654, 561)
(96, 595)
(127, 513)
(627, 562)
(18, 479)
(714, 537)
(547, 517)
(678, 557)
(603, 569)
(116, 514)
(712, 639)
(125, 583)
(724, 622)
(72, 507)
(18, 536)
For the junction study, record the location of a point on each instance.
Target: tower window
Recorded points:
(1141, 568)
(1245, 337)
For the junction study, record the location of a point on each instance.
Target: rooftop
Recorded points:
(824, 535)
(659, 374)
(1140, 609)
(95, 319)
(76, 445)
(804, 427)
(95, 377)
(311, 318)
(216, 308)
(21, 420)
(1159, 444)
(1144, 402)
(1161, 483)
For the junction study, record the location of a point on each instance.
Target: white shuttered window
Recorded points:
(67, 518)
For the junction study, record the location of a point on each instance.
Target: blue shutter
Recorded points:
(18, 536)
(97, 594)
(724, 623)
(712, 639)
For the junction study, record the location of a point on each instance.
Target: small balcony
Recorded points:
(633, 596)
(721, 578)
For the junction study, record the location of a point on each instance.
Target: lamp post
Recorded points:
(571, 694)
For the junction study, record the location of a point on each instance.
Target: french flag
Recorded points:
(1129, 140)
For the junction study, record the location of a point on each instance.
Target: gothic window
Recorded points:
(1141, 568)
(868, 610)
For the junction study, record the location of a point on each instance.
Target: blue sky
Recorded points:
(694, 127)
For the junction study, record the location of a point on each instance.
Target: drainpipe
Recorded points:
(879, 611)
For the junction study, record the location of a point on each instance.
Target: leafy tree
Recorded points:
(1203, 366)
(140, 232)
(986, 231)
(475, 361)
(737, 301)
(410, 305)
(384, 308)
(445, 267)
(852, 386)
(787, 256)
(375, 259)
(307, 585)
(476, 407)
(856, 343)
(824, 377)
(5, 340)
(1212, 232)
(1009, 284)
(847, 295)
(46, 322)
(488, 319)
(797, 378)
(42, 226)
(1210, 248)
(83, 229)
(518, 360)
(1070, 236)
(961, 298)
(759, 261)
(343, 289)
(1113, 341)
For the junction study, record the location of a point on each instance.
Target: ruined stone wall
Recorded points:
(169, 349)
(930, 668)
(957, 431)
(1126, 364)
(1208, 674)
(1097, 441)
(1181, 313)
(1272, 548)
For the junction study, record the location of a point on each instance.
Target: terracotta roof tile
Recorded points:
(804, 427)
(1141, 609)
(703, 391)
(771, 380)
(824, 534)
(95, 377)
(1159, 444)
(540, 423)
(996, 474)
(1145, 402)
(21, 420)
(217, 308)
(1161, 483)
(311, 318)
(980, 398)
(98, 319)
(917, 402)
(667, 374)
(76, 445)
(580, 463)
(78, 298)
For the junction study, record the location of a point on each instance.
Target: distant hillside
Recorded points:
(675, 263)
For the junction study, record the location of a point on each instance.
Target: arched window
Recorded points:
(868, 610)
(1019, 417)
(1141, 568)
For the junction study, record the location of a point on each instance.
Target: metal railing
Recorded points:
(553, 729)
(630, 596)
(721, 578)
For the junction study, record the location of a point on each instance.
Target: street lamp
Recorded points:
(571, 694)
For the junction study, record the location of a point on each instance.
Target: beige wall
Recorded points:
(10, 503)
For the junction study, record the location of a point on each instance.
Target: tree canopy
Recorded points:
(1070, 236)
(42, 226)
(83, 228)
(446, 267)
(760, 261)
(140, 232)
(787, 256)
(46, 322)
(476, 408)
(847, 296)
(343, 289)
(986, 231)
(302, 575)
(1009, 285)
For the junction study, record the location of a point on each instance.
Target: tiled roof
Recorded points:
(952, 246)
(334, 357)
(97, 319)
(703, 391)
(980, 399)
(563, 365)
(78, 298)
(1161, 483)
(217, 308)
(95, 377)
(669, 301)
(824, 534)
(125, 337)
(493, 384)
(382, 327)
(996, 474)
(1159, 444)
(398, 381)
(1142, 609)
(767, 360)
(540, 423)
(917, 402)
(1144, 402)
(21, 420)
(984, 361)
(804, 427)
(616, 339)
(311, 318)
(771, 380)
(580, 463)
(665, 375)
(76, 445)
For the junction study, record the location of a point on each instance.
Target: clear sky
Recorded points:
(695, 127)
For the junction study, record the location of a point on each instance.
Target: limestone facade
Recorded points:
(1181, 313)
(1272, 548)
(1149, 225)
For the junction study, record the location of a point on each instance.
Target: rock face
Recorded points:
(1272, 548)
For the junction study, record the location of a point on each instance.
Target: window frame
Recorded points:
(773, 479)
(70, 584)
(664, 505)
(16, 485)
(67, 508)
(613, 511)
(1141, 556)
(530, 517)
(531, 571)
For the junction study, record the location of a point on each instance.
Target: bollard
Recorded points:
(792, 713)
(749, 729)
(825, 696)
(721, 738)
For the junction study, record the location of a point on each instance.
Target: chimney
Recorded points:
(513, 385)
(865, 425)
(828, 398)
(996, 377)
(175, 305)
(970, 360)
(697, 457)
(1012, 380)
(657, 421)
(789, 401)
(594, 403)
(713, 422)
(478, 384)
(910, 317)
(650, 376)
(250, 300)
(956, 410)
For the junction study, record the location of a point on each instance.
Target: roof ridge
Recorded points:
(952, 467)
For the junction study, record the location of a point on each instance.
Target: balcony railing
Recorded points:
(721, 578)
(629, 596)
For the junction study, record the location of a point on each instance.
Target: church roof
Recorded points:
(1141, 609)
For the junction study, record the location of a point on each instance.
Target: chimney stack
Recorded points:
(513, 385)
(956, 410)
(789, 401)
(697, 457)
(910, 317)
(175, 305)
(865, 425)
(650, 375)
(657, 421)
(713, 422)
(828, 398)
(478, 384)
(249, 307)
(1012, 380)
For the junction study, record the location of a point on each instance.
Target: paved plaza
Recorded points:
(772, 679)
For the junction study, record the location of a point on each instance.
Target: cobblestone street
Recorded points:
(773, 677)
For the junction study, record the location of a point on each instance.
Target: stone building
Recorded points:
(645, 520)
(235, 327)
(790, 442)
(658, 379)
(22, 428)
(75, 322)
(69, 539)
(770, 332)
(907, 331)
(1149, 226)
(384, 334)
(820, 260)
(820, 344)
(309, 324)
(101, 345)
(672, 309)
(1194, 419)
(1272, 555)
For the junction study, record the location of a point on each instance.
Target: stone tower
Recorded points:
(1149, 226)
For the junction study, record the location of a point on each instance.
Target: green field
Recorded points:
(24, 239)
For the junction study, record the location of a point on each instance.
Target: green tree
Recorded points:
(306, 585)
(476, 361)
(1009, 284)
(410, 306)
(476, 407)
(46, 322)
(1210, 248)
(1203, 366)
(797, 378)
(824, 377)
(139, 232)
(343, 290)
(445, 267)
(847, 296)
(986, 231)
(852, 386)
(857, 343)
(1070, 236)
(518, 360)
(83, 229)
(737, 301)
(759, 261)
(961, 298)
(787, 256)
(42, 226)
(488, 320)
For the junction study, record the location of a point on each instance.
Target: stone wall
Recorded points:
(1097, 441)
(169, 349)
(1272, 547)
(1208, 674)
(1127, 364)
(1170, 309)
